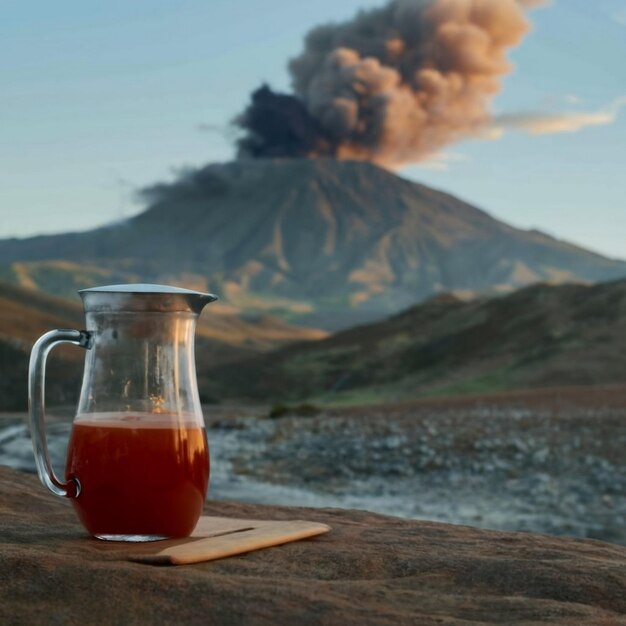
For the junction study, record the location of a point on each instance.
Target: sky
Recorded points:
(98, 100)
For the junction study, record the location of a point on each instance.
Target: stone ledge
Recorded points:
(370, 569)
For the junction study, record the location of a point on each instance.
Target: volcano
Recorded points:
(324, 242)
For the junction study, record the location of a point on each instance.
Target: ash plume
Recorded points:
(394, 85)
(286, 126)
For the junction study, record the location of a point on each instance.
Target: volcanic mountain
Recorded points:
(326, 242)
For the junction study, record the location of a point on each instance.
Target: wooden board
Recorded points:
(220, 537)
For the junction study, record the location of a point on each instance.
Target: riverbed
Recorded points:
(501, 466)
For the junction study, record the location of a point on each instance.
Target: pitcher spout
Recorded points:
(203, 299)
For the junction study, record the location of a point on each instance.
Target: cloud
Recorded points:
(549, 124)
(441, 161)
(573, 99)
(536, 123)
(619, 17)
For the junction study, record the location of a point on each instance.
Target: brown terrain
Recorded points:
(540, 336)
(369, 569)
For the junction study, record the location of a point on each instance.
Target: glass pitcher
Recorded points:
(137, 463)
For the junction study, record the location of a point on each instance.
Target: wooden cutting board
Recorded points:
(219, 537)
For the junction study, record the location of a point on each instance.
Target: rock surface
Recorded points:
(369, 570)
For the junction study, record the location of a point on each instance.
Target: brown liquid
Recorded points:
(139, 475)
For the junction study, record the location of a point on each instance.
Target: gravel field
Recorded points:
(544, 463)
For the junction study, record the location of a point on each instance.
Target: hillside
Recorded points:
(25, 314)
(324, 242)
(540, 336)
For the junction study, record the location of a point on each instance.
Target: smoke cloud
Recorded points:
(394, 85)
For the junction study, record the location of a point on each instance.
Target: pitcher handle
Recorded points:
(36, 401)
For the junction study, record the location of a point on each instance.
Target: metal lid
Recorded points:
(144, 297)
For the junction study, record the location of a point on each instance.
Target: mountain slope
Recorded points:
(327, 241)
(25, 315)
(540, 336)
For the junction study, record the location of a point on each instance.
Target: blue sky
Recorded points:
(98, 99)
